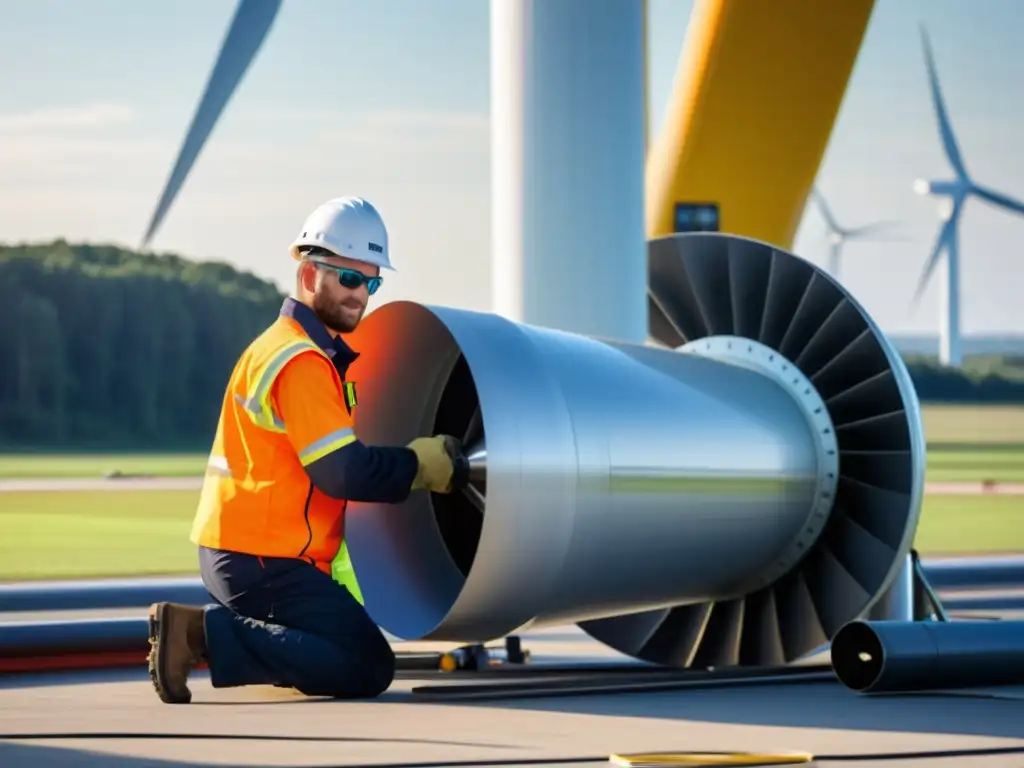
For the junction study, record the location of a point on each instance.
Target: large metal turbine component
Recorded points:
(734, 499)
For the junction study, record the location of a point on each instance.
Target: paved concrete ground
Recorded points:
(113, 719)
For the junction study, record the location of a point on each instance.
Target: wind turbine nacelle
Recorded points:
(941, 188)
(922, 187)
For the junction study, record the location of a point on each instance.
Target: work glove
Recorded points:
(436, 466)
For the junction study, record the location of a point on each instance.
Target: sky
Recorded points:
(390, 100)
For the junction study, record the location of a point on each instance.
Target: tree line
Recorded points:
(104, 347)
(938, 384)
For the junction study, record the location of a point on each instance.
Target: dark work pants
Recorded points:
(282, 621)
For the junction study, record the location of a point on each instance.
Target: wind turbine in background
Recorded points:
(838, 236)
(954, 195)
(249, 28)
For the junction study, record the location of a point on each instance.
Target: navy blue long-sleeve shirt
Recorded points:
(354, 471)
(359, 472)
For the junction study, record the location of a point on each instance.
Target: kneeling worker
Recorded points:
(285, 461)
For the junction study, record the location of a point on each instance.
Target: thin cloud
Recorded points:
(47, 156)
(473, 122)
(465, 120)
(400, 130)
(66, 141)
(390, 130)
(89, 116)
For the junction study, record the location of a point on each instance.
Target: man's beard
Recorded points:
(333, 315)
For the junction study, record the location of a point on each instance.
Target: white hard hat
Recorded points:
(349, 227)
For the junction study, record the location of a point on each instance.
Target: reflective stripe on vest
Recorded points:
(256, 403)
(332, 442)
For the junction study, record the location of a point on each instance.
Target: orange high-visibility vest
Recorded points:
(257, 497)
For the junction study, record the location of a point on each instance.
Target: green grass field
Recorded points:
(965, 466)
(75, 534)
(54, 465)
(127, 533)
(974, 424)
(974, 443)
(97, 533)
(965, 444)
(962, 525)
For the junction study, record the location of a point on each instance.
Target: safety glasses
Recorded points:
(352, 278)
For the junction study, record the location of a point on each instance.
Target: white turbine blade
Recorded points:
(825, 211)
(249, 27)
(940, 242)
(998, 199)
(939, 104)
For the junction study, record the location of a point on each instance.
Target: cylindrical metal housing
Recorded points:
(617, 476)
(887, 656)
(567, 165)
(732, 499)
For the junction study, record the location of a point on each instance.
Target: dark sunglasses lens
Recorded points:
(350, 279)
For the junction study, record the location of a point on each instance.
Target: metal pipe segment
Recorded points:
(983, 572)
(889, 656)
(732, 498)
(86, 642)
(48, 638)
(103, 593)
(26, 597)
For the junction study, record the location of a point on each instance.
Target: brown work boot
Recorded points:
(178, 642)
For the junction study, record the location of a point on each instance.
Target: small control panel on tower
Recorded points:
(696, 217)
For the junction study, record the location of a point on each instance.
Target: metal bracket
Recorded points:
(910, 597)
(925, 594)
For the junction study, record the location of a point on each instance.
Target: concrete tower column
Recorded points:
(568, 150)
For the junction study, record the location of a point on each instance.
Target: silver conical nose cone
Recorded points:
(477, 456)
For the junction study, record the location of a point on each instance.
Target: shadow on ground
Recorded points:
(38, 756)
(817, 705)
(46, 756)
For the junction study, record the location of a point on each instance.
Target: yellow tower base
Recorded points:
(757, 90)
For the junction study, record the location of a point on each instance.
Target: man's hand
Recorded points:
(436, 466)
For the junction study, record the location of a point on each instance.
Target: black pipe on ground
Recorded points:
(890, 656)
(81, 643)
(25, 639)
(986, 572)
(112, 635)
(101, 594)
(952, 573)
(969, 602)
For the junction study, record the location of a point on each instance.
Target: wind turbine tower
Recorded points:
(838, 235)
(953, 194)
